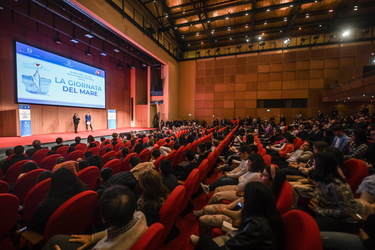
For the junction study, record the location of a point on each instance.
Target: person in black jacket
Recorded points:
(76, 122)
(261, 224)
(18, 156)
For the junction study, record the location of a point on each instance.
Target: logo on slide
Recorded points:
(36, 84)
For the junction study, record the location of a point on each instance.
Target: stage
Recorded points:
(48, 140)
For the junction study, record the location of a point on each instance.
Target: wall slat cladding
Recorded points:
(292, 74)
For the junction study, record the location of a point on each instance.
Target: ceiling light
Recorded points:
(88, 53)
(268, 9)
(246, 14)
(102, 53)
(355, 8)
(287, 41)
(230, 38)
(260, 38)
(265, 22)
(117, 50)
(330, 11)
(281, 31)
(307, 15)
(226, 17)
(89, 35)
(73, 40)
(130, 66)
(346, 33)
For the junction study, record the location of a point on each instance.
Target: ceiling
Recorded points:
(202, 24)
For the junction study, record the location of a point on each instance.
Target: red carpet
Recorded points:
(7, 142)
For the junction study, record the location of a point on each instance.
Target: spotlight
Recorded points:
(218, 50)
(346, 33)
(144, 65)
(261, 44)
(302, 41)
(119, 66)
(102, 53)
(130, 66)
(117, 50)
(250, 47)
(228, 50)
(198, 54)
(331, 37)
(208, 52)
(89, 35)
(57, 41)
(316, 38)
(287, 41)
(239, 47)
(88, 53)
(74, 40)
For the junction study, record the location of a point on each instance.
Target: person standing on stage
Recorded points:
(76, 122)
(88, 122)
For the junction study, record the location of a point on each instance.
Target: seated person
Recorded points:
(59, 143)
(169, 179)
(77, 141)
(126, 225)
(183, 173)
(138, 167)
(18, 156)
(37, 145)
(30, 165)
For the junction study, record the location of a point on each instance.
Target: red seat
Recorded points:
(191, 184)
(102, 144)
(15, 170)
(114, 164)
(81, 146)
(203, 171)
(145, 155)
(63, 150)
(149, 239)
(267, 159)
(301, 231)
(158, 160)
(9, 204)
(179, 156)
(74, 216)
(103, 149)
(172, 156)
(125, 162)
(89, 176)
(94, 150)
(356, 171)
(4, 187)
(39, 155)
(263, 151)
(25, 183)
(297, 143)
(96, 143)
(108, 156)
(33, 198)
(170, 209)
(118, 146)
(74, 155)
(285, 199)
(49, 162)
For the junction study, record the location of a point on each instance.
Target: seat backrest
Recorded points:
(97, 143)
(81, 146)
(172, 156)
(49, 162)
(301, 231)
(15, 170)
(158, 160)
(203, 170)
(74, 155)
(356, 171)
(9, 204)
(179, 156)
(73, 216)
(102, 150)
(191, 184)
(125, 162)
(150, 239)
(267, 159)
(118, 146)
(114, 164)
(4, 187)
(94, 150)
(145, 155)
(25, 183)
(108, 156)
(285, 200)
(39, 155)
(89, 176)
(63, 150)
(33, 198)
(170, 209)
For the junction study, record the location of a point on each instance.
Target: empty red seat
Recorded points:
(89, 176)
(39, 155)
(49, 162)
(74, 155)
(25, 183)
(114, 164)
(9, 204)
(63, 150)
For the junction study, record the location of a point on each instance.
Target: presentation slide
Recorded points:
(50, 79)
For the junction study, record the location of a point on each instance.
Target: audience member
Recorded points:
(169, 179)
(18, 156)
(59, 143)
(37, 145)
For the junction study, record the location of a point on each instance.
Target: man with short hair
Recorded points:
(59, 143)
(37, 145)
(18, 156)
(77, 141)
(118, 209)
(340, 140)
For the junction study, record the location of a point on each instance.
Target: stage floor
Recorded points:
(10, 142)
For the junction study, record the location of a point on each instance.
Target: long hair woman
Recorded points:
(153, 196)
(261, 225)
(64, 185)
